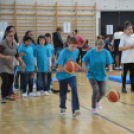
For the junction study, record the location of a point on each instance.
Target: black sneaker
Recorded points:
(3, 100)
(132, 90)
(10, 98)
(124, 90)
(62, 112)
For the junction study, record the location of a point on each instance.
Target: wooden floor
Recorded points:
(41, 115)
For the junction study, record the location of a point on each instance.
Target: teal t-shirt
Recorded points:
(28, 59)
(62, 60)
(42, 54)
(97, 64)
(50, 47)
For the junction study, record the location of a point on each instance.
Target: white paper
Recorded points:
(109, 29)
(67, 27)
(3, 26)
(1, 36)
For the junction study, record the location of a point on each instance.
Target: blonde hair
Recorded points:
(99, 42)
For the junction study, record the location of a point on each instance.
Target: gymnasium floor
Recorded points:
(41, 115)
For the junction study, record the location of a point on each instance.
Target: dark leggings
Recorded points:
(126, 67)
(7, 81)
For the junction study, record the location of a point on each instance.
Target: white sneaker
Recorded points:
(46, 93)
(63, 112)
(76, 113)
(34, 86)
(34, 94)
(117, 68)
(38, 93)
(98, 105)
(49, 91)
(93, 111)
(24, 95)
(30, 95)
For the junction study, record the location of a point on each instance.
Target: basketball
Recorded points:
(113, 96)
(70, 67)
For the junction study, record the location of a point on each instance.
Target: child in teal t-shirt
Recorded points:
(68, 54)
(53, 58)
(43, 64)
(97, 59)
(28, 59)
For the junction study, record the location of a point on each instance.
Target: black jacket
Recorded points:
(57, 40)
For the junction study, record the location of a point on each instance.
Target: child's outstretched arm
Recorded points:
(84, 67)
(79, 67)
(49, 59)
(54, 60)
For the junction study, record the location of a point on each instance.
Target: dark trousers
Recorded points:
(15, 77)
(80, 54)
(42, 78)
(126, 67)
(27, 79)
(63, 92)
(7, 81)
(16, 80)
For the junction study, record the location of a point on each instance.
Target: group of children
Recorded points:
(38, 59)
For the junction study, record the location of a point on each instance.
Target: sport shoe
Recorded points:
(14, 96)
(63, 112)
(34, 86)
(98, 105)
(38, 93)
(16, 89)
(121, 67)
(30, 94)
(76, 113)
(117, 68)
(10, 98)
(3, 100)
(34, 94)
(24, 95)
(49, 91)
(93, 111)
(46, 93)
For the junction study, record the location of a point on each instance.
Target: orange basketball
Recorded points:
(113, 96)
(70, 67)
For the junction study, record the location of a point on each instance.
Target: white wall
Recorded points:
(102, 5)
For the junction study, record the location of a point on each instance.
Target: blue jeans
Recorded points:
(63, 92)
(15, 73)
(27, 79)
(58, 50)
(42, 82)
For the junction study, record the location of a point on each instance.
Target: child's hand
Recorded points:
(112, 71)
(37, 70)
(49, 69)
(22, 54)
(69, 60)
(85, 69)
(23, 66)
(54, 65)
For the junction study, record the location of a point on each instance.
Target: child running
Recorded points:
(68, 54)
(97, 59)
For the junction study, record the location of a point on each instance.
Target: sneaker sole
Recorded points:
(76, 114)
(63, 114)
